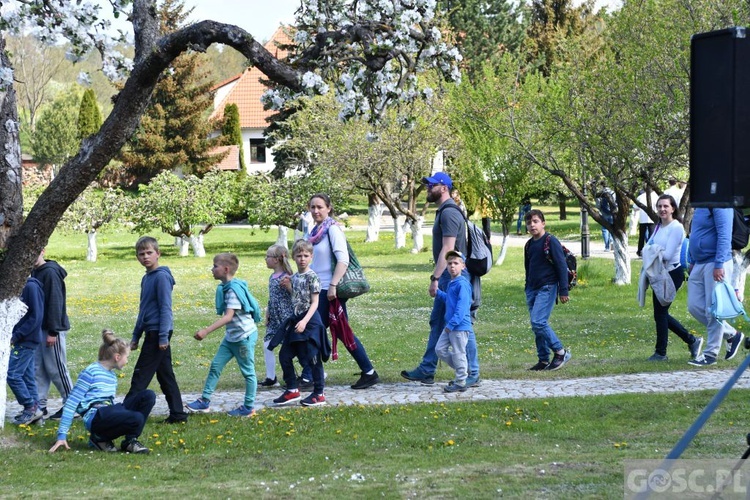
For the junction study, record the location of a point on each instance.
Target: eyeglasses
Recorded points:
(431, 185)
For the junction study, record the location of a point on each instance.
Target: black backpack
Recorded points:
(478, 248)
(740, 229)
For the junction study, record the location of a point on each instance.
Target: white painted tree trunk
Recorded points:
(398, 231)
(739, 272)
(622, 260)
(91, 250)
(374, 214)
(283, 236)
(11, 312)
(184, 245)
(196, 242)
(503, 251)
(416, 235)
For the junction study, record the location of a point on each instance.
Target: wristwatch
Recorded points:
(433, 278)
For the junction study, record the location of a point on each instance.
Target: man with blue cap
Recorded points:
(448, 233)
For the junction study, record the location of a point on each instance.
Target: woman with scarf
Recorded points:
(329, 240)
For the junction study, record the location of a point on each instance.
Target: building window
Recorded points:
(257, 151)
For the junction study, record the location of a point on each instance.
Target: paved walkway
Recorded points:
(488, 390)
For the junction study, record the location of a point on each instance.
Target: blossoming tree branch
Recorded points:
(369, 51)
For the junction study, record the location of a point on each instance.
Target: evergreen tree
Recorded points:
(174, 131)
(484, 30)
(89, 116)
(232, 132)
(54, 140)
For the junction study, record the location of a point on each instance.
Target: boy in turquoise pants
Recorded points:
(240, 314)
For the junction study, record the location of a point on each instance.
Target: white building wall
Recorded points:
(255, 167)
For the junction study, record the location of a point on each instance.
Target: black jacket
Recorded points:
(52, 276)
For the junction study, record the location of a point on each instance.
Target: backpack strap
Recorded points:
(466, 225)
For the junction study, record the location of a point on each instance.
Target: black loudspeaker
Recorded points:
(720, 119)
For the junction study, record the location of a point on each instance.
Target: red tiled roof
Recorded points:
(248, 89)
(230, 161)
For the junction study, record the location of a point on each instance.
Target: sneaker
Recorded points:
(242, 411)
(174, 420)
(134, 446)
(704, 360)
(268, 383)
(417, 375)
(101, 445)
(454, 387)
(559, 360)
(657, 357)
(733, 345)
(57, 415)
(287, 398)
(695, 347)
(29, 416)
(314, 400)
(366, 381)
(472, 381)
(303, 383)
(541, 365)
(200, 405)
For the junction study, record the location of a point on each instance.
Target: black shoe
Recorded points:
(303, 383)
(541, 365)
(173, 420)
(57, 415)
(559, 360)
(366, 381)
(268, 383)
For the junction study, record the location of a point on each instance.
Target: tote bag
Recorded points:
(353, 283)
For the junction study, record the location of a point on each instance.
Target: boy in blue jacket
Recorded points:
(155, 324)
(26, 337)
(451, 345)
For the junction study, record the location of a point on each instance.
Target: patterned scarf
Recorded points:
(319, 232)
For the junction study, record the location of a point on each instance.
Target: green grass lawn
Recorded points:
(567, 447)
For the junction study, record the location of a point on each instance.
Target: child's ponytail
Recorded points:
(280, 252)
(111, 345)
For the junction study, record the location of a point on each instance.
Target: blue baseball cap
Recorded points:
(439, 178)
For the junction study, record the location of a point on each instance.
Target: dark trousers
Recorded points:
(309, 358)
(665, 322)
(153, 361)
(123, 419)
(644, 233)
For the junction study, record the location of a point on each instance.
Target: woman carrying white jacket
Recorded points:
(668, 235)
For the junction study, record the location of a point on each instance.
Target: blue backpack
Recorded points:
(725, 305)
(685, 254)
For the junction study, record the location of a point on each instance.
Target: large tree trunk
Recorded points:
(374, 214)
(399, 235)
(282, 236)
(740, 261)
(416, 234)
(622, 259)
(91, 250)
(196, 242)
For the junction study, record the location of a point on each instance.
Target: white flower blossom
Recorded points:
(84, 78)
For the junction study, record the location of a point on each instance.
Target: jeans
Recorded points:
(451, 348)
(428, 366)
(665, 322)
(52, 368)
(606, 236)
(244, 352)
(540, 303)
(358, 353)
(21, 375)
(153, 360)
(123, 419)
(700, 295)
